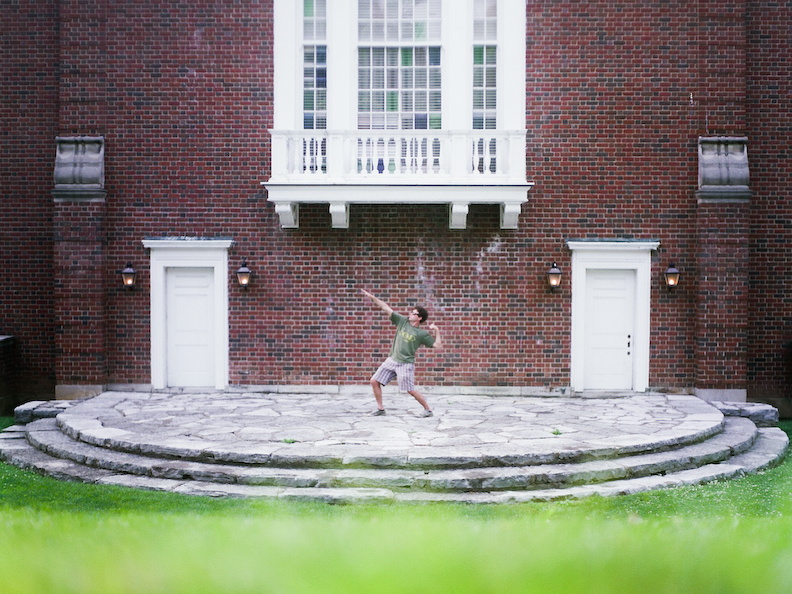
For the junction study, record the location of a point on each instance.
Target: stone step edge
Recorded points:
(768, 451)
(39, 409)
(91, 431)
(380, 462)
(763, 414)
(738, 437)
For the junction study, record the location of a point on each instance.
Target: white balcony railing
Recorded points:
(336, 166)
(366, 155)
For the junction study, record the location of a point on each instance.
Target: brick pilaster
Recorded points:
(80, 209)
(79, 259)
(722, 300)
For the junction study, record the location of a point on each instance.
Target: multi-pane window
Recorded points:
(484, 87)
(485, 61)
(398, 20)
(399, 70)
(315, 87)
(314, 65)
(398, 93)
(485, 20)
(314, 83)
(399, 88)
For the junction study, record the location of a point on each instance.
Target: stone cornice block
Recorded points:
(79, 168)
(723, 169)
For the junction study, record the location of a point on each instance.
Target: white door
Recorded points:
(609, 329)
(190, 340)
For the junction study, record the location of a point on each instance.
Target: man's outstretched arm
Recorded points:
(378, 302)
(435, 331)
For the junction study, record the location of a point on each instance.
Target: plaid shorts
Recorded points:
(390, 368)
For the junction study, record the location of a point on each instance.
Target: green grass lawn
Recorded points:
(733, 536)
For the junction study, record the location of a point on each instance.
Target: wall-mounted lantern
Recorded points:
(243, 275)
(554, 277)
(671, 276)
(128, 275)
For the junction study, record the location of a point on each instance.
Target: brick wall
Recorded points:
(617, 95)
(303, 319)
(769, 117)
(722, 315)
(28, 126)
(78, 270)
(612, 146)
(189, 106)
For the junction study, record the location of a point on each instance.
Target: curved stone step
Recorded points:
(738, 436)
(311, 432)
(768, 450)
(476, 449)
(286, 455)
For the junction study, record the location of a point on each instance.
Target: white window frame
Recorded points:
(340, 187)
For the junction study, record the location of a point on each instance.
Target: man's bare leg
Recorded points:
(376, 387)
(419, 397)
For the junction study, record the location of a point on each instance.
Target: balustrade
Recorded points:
(340, 168)
(387, 155)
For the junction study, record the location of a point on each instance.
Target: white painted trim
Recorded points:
(342, 36)
(612, 255)
(188, 253)
(342, 40)
(339, 175)
(613, 246)
(288, 197)
(512, 23)
(287, 20)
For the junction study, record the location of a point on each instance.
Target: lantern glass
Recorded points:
(672, 276)
(554, 276)
(243, 275)
(128, 275)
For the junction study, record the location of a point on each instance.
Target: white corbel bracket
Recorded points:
(457, 215)
(510, 214)
(289, 213)
(339, 213)
(458, 212)
(341, 197)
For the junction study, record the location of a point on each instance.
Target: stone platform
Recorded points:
(477, 448)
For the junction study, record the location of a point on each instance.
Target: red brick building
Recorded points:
(434, 152)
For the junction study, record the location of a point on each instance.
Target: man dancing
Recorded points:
(401, 360)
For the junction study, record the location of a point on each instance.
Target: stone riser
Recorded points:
(365, 462)
(767, 451)
(738, 436)
(93, 432)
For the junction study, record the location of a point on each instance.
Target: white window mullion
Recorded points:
(457, 58)
(342, 65)
(287, 51)
(511, 65)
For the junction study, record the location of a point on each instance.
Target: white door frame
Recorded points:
(612, 255)
(188, 253)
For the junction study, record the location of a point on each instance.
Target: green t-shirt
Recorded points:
(407, 340)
